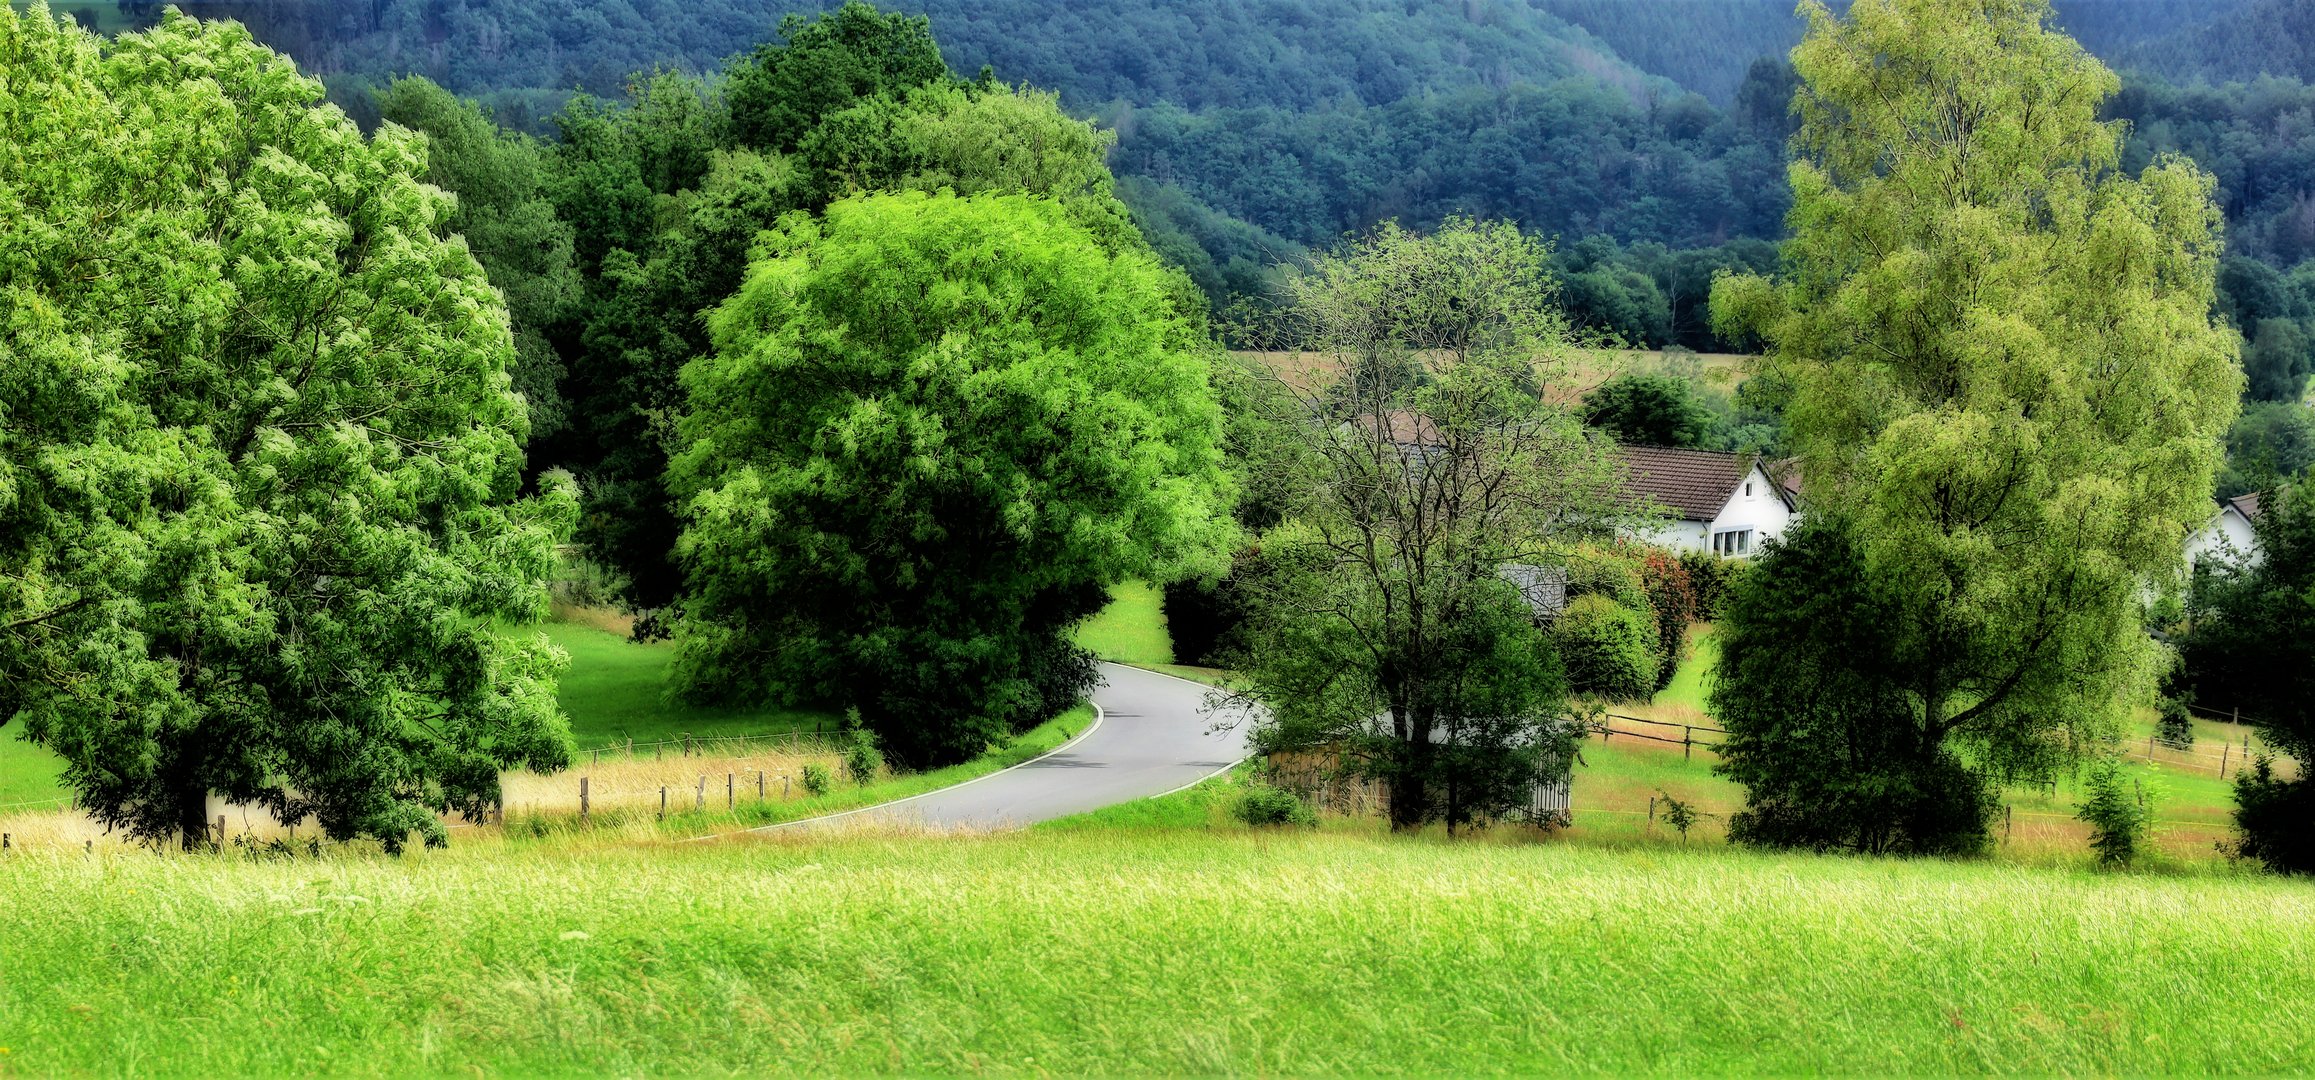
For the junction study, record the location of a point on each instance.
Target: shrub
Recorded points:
(1204, 617)
(2273, 816)
(2175, 727)
(1605, 648)
(815, 778)
(862, 760)
(1268, 804)
(1709, 578)
(1677, 814)
(1672, 599)
(1831, 754)
(2118, 815)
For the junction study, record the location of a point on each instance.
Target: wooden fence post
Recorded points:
(730, 800)
(2150, 748)
(686, 744)
(1651, 815)
(2224, 751)
(583, 798)
(701, 804)
(220, 830)
(662, 802)
(759, 785)
(1686, 734)
(783, 787)
(6, 841)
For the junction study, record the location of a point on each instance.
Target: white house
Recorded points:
(1727, 504)
(2228, 535)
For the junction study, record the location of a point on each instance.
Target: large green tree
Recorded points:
(504, 212)
(2005, 377)
(2249, 644)
(258, 451)
(934, 431)
(1388, 622)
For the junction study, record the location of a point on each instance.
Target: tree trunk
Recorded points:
(1409, 793)
(192, 812)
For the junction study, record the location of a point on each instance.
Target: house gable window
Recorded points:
(1732, 542)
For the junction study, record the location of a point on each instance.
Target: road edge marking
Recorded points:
(1248, 756)
(1099, 715)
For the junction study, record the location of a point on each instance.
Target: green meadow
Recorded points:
(1139, 948)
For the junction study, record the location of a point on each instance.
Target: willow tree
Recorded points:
(259, 454)
(2006, 381)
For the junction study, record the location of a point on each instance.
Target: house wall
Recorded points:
(1683, 535)
(1762, 510)
(2228, 535)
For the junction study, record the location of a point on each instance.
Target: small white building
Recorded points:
(2228, 535)
(1727, 504)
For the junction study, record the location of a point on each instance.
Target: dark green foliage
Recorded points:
(1649, 410)
(1263, 804)
(1709, 580)
(1832, 752)
(816, 778)
(2118, 814)
(2248, 648)
(2278, 361)
(1204, 617)
(822, 65)
(2276, 819)
(1607, 649)
(2174, 724)
(2270, 445)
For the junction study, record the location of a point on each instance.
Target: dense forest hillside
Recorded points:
(1249, 131)
(2233, 41)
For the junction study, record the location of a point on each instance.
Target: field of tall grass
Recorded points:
(1138, 949)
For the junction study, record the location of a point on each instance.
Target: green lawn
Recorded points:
(1138, 950)
(28, 775)
(1132, 629)
(615, 689)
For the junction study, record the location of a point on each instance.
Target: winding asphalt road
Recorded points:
(1151, 739)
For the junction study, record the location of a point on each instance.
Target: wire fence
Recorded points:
(688, 745)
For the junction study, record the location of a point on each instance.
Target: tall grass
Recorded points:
(1140, 951)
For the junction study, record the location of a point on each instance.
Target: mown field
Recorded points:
(1140, 950)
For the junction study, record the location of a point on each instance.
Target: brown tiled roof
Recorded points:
(2246, 505)
(1694, 484)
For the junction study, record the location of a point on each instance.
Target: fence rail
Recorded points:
(688, 745)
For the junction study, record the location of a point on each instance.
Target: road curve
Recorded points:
(1152, 738)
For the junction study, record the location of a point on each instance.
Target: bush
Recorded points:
(1709, 578)
(815, 778)
(1605, 648)
(1672, 599)
(1269, 804)
(2175, 727)
(2274, 815)
(2118, 815)
(1830, 753)
(1204, 618)
(862, 760)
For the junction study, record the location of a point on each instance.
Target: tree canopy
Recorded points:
(935, 430)
(2004, 371)
(258, 483)
(1384, 625)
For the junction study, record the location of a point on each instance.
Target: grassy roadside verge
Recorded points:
(1140, 951)
(844, 795)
